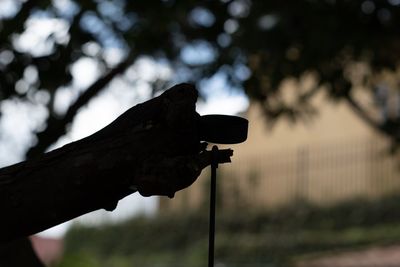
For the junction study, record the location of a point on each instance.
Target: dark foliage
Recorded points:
(257, 44)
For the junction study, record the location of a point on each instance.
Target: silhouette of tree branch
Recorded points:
(363, 114)
(10, 26)
(56, 127)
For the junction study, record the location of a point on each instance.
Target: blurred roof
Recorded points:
(49, 250)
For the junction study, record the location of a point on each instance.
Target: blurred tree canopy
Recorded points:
(338, 45)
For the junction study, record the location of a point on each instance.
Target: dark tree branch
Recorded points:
(10, 26)
(56, 127)
(390, 128)
(153, 148)
(361, 113)
(305, 97)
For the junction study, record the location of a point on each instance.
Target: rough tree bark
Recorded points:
(153, 148)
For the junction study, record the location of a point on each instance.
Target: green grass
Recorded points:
(274, 238)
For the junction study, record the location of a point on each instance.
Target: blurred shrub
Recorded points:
(242, 238)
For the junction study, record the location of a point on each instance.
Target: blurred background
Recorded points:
(316, 184)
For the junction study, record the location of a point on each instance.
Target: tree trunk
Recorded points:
(153, 148)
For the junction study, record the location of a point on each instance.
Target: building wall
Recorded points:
(332, 158)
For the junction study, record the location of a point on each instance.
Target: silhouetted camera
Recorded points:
(223, 129)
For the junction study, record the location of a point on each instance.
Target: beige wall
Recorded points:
(332, 158)
(334, 122)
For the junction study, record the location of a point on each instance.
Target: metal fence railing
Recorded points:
(319, 174)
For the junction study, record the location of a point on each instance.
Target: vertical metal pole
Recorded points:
(211, 234)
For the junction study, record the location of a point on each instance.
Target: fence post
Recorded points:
(302, 166)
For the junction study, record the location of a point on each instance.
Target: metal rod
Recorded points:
(211, 234)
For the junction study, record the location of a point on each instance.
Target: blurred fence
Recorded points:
(319, 174)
